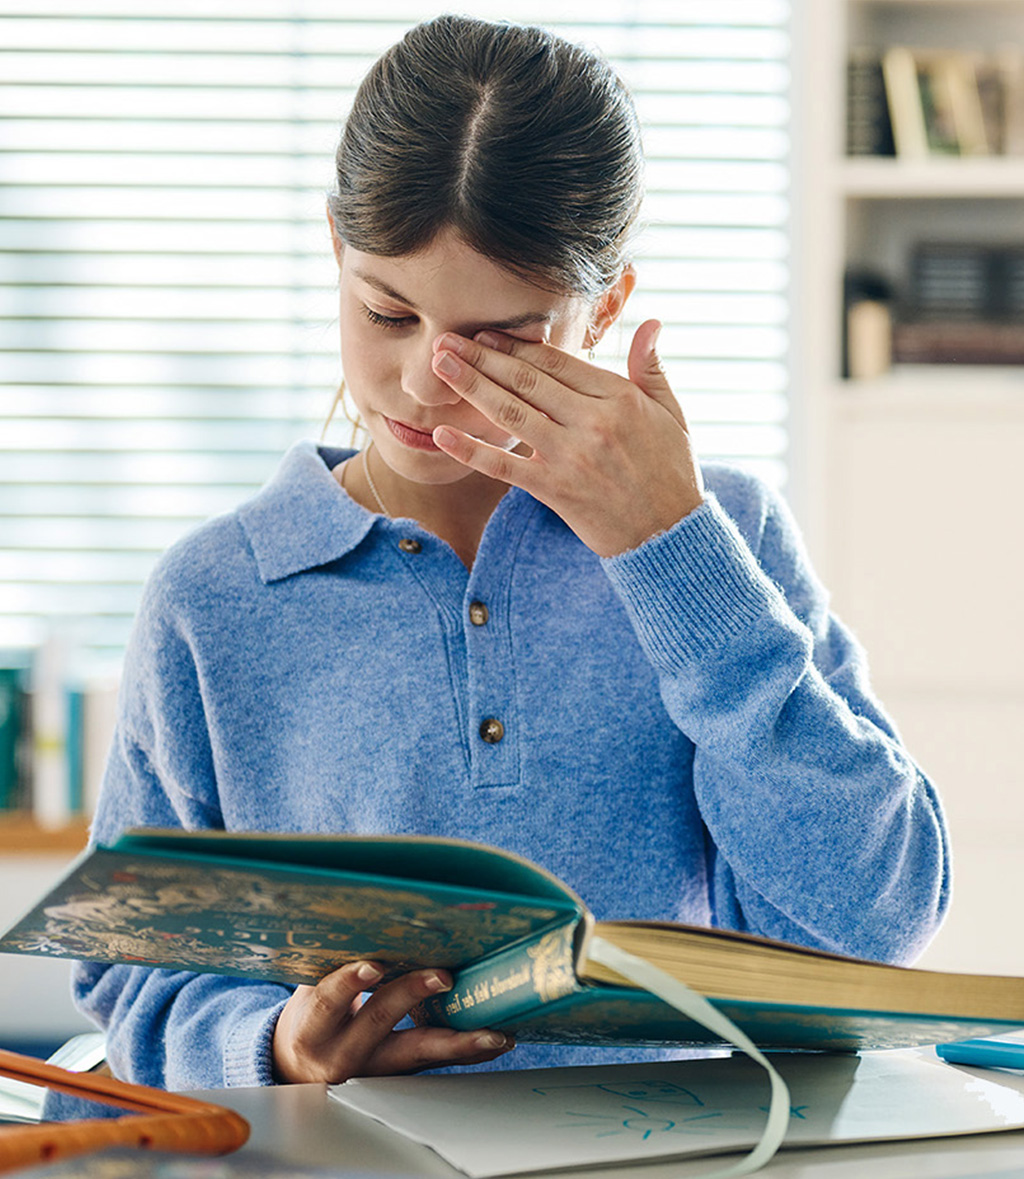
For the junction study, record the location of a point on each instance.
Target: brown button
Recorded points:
(478, 613)
(408, 545)
(492, 730)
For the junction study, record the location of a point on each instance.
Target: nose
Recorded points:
(422, 384)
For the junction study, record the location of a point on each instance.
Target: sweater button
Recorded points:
(478, 613)
(492, 730)
(408, 545)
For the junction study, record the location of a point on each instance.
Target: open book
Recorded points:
(292, 908)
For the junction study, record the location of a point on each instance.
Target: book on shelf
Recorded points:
(868, 125)
(520, 943)
(966, 281)
(937, 341)
(1010, 70)
(946, 102)
(15, 727)
(906, 110)
(56, 727)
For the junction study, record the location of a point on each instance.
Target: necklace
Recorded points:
(373, 486)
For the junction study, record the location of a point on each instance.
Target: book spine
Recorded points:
(50, 801)
(868, 126)
(75, 697)
(904, 96)
(938, 342)
(506, 985)
(12, 711)
(1010, 61)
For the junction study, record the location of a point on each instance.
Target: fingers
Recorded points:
(322, 1035)
(493, 461)
(645, 368)
(417, 1049)
(376, 1018)
(536, 374)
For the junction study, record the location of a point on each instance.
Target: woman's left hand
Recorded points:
(611, 456)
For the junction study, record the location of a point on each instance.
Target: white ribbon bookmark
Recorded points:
(696, 1007)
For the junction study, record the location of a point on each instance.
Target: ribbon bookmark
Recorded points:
(678, 995)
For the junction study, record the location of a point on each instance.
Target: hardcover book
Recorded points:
(292, 908)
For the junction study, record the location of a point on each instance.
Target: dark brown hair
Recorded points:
(525, 145)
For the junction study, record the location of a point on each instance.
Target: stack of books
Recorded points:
(917, 103)
(965, 305)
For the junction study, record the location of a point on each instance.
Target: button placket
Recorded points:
(494, 749)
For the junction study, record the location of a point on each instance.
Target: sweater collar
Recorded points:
(302, 519)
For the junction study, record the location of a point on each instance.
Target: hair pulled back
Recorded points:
(523, 144)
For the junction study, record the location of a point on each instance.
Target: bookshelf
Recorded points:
(910, 485)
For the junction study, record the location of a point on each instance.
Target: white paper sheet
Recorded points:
(501, 1123)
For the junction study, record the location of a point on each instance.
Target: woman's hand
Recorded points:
(611, 456)
(325, 1034)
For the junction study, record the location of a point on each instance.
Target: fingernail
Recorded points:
(434, 982)
(488, 339)
(445, 363)
(368, 973)
(444, 437)
(491, 1040)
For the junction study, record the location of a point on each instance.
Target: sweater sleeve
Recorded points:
(821, 829)
(170, 1029)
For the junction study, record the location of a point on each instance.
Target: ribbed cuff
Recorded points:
(692, 589)
(248, 1060)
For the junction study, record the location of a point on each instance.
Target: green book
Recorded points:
(292, 908)
(13, 724)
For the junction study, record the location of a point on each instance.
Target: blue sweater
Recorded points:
(688, 733)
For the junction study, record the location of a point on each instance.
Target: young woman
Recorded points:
(522, 614)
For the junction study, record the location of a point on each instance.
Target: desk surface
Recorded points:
(301, 1124)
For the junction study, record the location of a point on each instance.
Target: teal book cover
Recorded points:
(292, 908)
(280, 909)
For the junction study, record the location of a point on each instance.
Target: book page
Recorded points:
(501, 1123)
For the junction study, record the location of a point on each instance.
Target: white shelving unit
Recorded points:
(911, 487)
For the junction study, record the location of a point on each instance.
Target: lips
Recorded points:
(410, 436)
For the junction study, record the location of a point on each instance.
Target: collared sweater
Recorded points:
(686, 732)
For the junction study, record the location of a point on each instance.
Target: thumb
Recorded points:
(645, 368)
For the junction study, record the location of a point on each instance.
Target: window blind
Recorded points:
(167, 287)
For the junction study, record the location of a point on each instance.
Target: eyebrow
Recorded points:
(501, 325)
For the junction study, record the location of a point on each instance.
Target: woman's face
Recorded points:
(393, 310)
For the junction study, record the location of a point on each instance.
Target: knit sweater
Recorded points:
(688, 734)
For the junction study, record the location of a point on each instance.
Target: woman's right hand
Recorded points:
(326, 1033)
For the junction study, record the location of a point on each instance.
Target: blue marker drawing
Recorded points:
(643, 1124)
(637, 1091)
(795, 1111)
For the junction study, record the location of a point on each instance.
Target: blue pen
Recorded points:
(984, 1053)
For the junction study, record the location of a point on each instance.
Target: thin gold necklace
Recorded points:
(373, 486)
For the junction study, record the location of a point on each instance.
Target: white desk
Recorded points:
(300, 1124)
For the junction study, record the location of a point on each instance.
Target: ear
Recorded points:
(336, 241)
(609, 306)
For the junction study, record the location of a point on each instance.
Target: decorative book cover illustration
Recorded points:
(291, 909)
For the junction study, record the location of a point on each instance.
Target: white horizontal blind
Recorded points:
(167, 286)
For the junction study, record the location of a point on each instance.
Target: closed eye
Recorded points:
(387, 321)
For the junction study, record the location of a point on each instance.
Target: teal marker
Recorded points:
(984, 1053)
